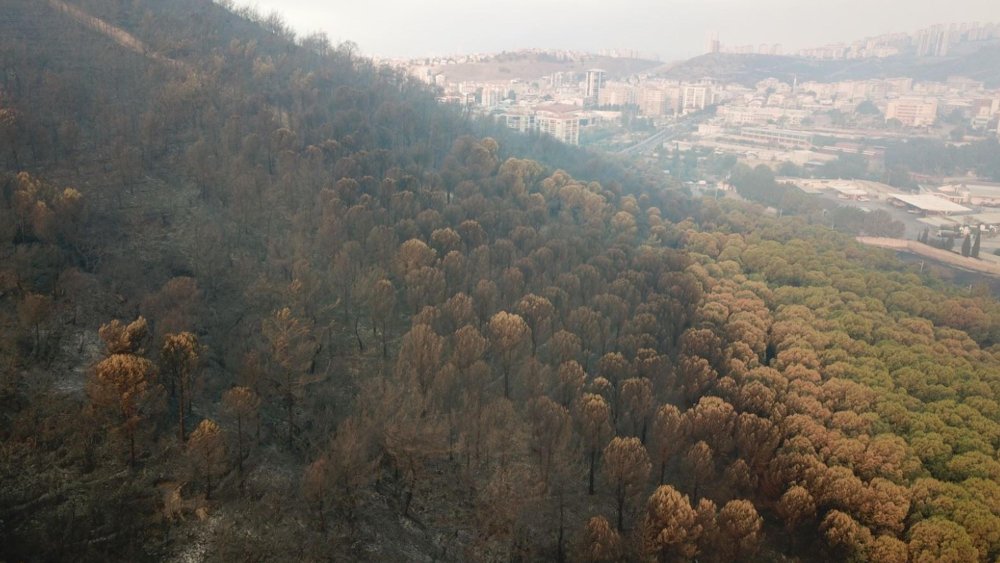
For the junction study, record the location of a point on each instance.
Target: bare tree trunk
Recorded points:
(180, 410)
(131, 449)
(593, 461)
(560, 550)
(385, 340)
(208, 478)
(289, 404)
(620, 500)
(239, 444)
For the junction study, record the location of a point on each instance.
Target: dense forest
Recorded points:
(263, 300)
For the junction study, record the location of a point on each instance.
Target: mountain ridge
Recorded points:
(981, 64)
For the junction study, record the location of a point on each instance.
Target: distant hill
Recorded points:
(979, 64)
(530, 66)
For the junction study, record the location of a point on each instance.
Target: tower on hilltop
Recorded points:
(712, 44)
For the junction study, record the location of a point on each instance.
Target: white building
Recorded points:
(697, 97)
(559, 121)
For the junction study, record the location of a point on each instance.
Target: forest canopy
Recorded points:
(262, 299)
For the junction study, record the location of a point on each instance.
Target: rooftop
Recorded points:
(932, 203)
(558, 108)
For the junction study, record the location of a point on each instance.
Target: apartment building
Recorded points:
(697, 97)
(595, 81)
(559, 121)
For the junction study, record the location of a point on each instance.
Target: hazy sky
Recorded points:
(669, 28)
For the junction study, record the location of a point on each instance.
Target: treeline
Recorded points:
(759, 185)
(856, 167)
(937, 158)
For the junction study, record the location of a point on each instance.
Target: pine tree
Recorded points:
(975, 244)
(967, 245)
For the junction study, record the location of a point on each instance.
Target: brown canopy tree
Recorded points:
(507, 333)
(699, 461)
(241, 403)
(179, 362)
(382, 303)
(593, 417)
(940, 541)
(599, 542)
(206, 450)
(670, 530)
(625, 468)
(537, 312)
(844, 534)
(796, 507)
(636, 404)
(551, 432)
(123, 385)
(420, 356)
(740, 526)
(570, 381)
(291, 352)
(669, 434)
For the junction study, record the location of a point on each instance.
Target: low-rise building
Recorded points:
(777, 137)
(750, 115)
(980, 194)
(929, 204)
(913, 112)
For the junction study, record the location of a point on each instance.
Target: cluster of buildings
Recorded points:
(811, 124)
(562, 121)
(772, 113)
(565, 104)
(657, 98)
(938, 40)
(934, 41)
(894, 101)
(713, 45)
(598, 102)
(949, 210)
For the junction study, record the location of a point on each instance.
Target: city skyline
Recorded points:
(669, 30)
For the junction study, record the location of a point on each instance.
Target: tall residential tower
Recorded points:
(595, 80)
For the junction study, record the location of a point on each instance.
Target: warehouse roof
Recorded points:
(931, 203)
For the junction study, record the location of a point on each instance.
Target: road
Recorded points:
(957, 260)
(684, 126)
